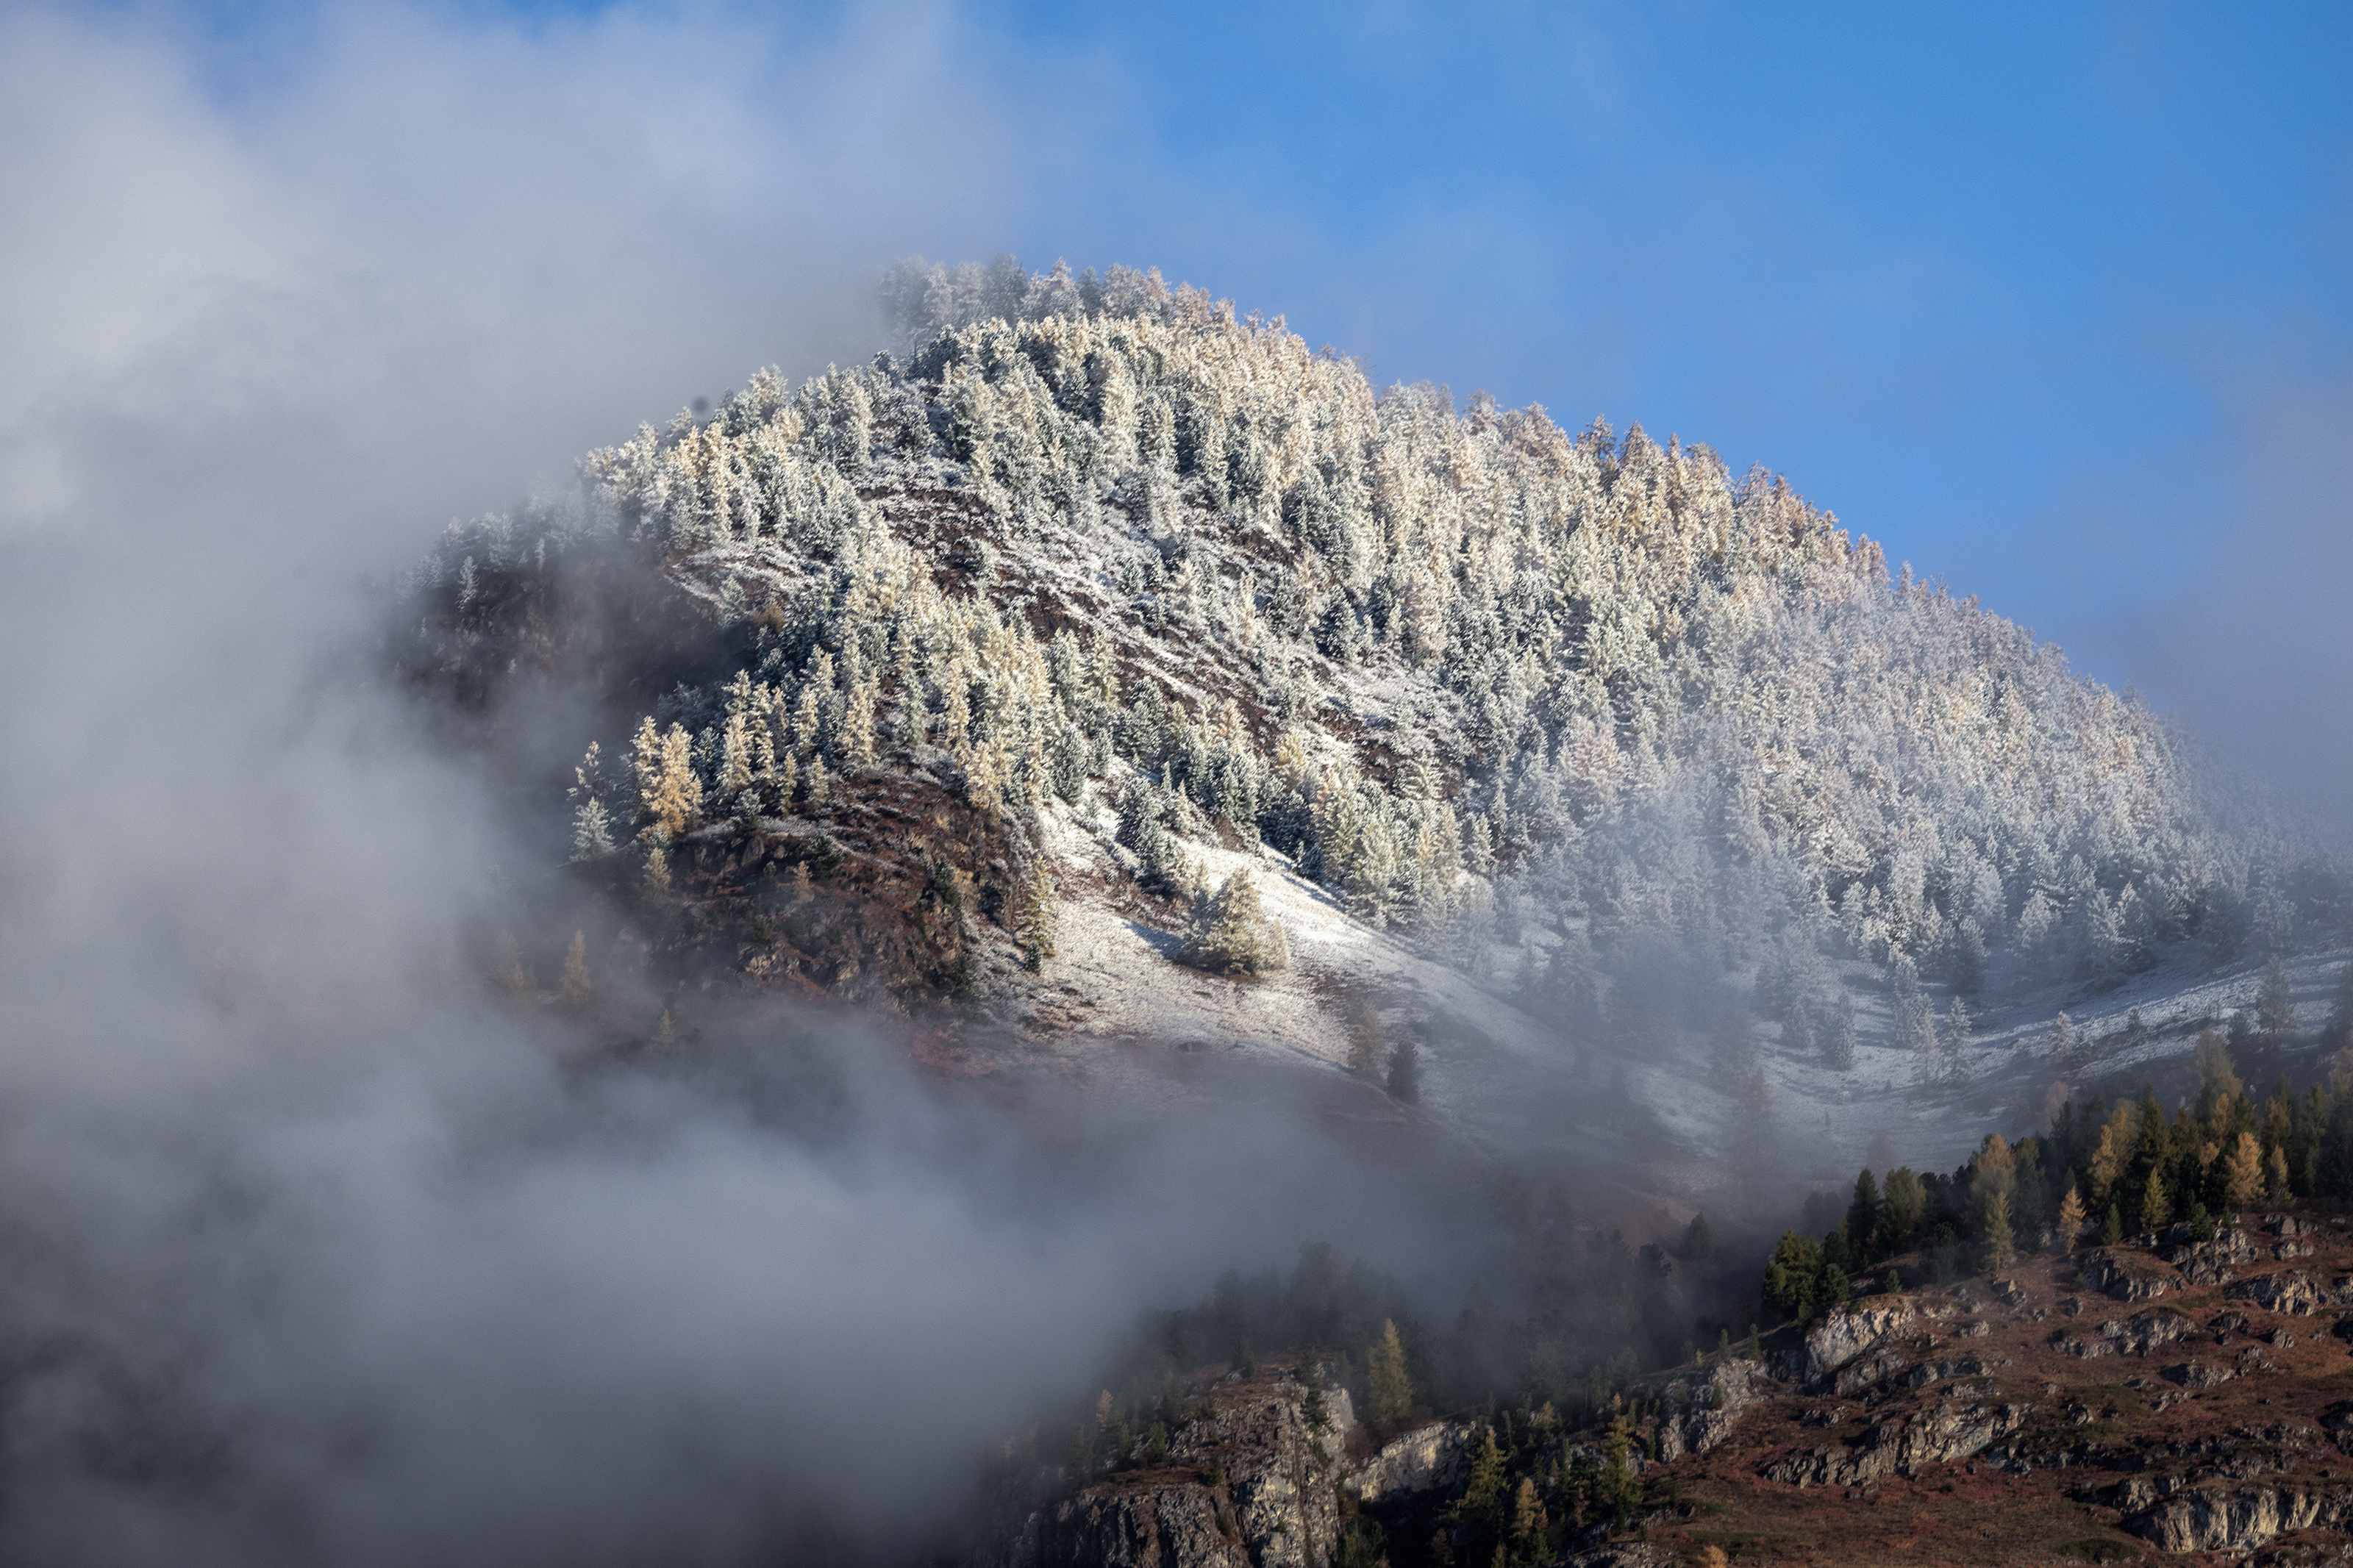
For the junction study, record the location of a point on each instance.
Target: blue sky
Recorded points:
(2053, 300)
(1989, 285)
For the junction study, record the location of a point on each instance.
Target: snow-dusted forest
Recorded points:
(1546, 697)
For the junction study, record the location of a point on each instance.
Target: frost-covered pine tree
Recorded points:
(1230, 932)
(592, 835)
(2275, 1002)
(2061, 1043)
(1953, 1044)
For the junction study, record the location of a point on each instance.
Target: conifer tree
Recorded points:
(1952, 1044)
(1229, 930)
(2339, 1031)
(1993, 1170)
(2218, 1079)
(575, 986)
(1405, 1073)
(2000, 1248)
(1901, 1210)
(1969, 957)
(1391, 1390)
(1863, 1213)
(507, 965)
(2071, 1220)
(592, 831)
(1792, 1277)
(2156, 1205)
(1528, 1519)
(1617, 1493)
(2275, 1183)
(1483, 1487)
(1699, 1242)
(1837, 1035)
(671, 793)
(2112, 1229)
(1036, 932)
(2275, 1002)
(2243, 1173)
(2114, 1151)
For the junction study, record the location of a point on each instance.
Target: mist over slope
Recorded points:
(1093, 584)
(408, 1158)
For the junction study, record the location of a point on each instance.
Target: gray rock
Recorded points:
(1847, 1334)
(2135, 1335)
(1625, 1554)
(2194, 1373)
(2288, 1294)
(1423, 1459)
(2124, 1276)
(1279, 1508)
(2203, 1520)
(1902, 1447)
(1701, 1412)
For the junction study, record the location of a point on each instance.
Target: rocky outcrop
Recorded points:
(2196, 1374)
(2124, 1276)
(1624, 1554)
(2199, 1520)
(2211, 1262)
(1902, 1447)
(1130, 1527)
(2135, 1335)
(1699, 1413)
(1424, 1459)
(2288, 1294)
(1845, 1335)
(1276, 1507)
(1928, 1371)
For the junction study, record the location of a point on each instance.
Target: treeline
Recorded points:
(2101, 1172)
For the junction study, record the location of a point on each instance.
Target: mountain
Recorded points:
(2178, 1395)
(1099, 666)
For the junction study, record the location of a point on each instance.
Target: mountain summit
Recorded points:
(1099, 664)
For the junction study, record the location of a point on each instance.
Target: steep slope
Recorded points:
(973, 673)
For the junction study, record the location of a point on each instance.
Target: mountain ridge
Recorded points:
(1103, 594)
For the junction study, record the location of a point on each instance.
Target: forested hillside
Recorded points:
(1553, 700)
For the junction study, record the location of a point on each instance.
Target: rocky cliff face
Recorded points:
(1424, 1461)
(1250, 1480)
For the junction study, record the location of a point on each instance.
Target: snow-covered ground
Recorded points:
(1660, 1121)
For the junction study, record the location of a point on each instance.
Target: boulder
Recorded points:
(1902, 1447)
(2195, 1374)
(1701, 1412)
(1846, 1334)
(2135, 1335)
(2125, 1276)
(2288, 1294)
(1423, 1459)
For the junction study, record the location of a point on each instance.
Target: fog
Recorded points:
(311, 1250)
(2257, 654)
(314, 1254)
